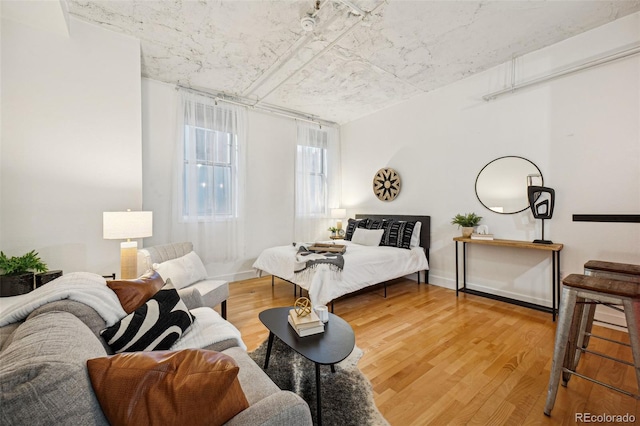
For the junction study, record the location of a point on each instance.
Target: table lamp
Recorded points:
(125, 226)
(338, 214)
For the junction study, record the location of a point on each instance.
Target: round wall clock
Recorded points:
(386, 184)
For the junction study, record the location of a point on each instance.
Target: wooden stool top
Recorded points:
(603, 285)
(620, 268)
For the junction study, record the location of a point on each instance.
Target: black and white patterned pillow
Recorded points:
(352, 225)
(377, 223)
(398, 234)
(156, 325)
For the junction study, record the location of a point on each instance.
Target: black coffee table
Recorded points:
(328, 348)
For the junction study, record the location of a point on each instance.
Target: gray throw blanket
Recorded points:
(307, 260)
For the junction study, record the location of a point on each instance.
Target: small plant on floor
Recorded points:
(15, 265)
(468, 220)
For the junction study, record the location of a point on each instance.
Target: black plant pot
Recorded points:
(13, 285)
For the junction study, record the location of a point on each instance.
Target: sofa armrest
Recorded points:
(191, 297)
(282, 408)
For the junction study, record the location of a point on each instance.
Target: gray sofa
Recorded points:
(44, 378)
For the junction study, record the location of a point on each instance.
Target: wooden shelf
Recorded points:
(512, 243)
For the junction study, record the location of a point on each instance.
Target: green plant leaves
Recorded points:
(466, 220)
(21, 264)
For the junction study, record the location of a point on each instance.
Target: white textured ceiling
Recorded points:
(349, 65)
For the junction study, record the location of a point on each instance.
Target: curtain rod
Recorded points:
(631, 51)
(272, 109)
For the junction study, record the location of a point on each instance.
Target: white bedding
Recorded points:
(363, 266)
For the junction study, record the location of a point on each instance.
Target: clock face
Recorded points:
(386, 184)
(341, 232)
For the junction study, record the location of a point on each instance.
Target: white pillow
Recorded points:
(415, 237)
(367, 237)
(182, 271)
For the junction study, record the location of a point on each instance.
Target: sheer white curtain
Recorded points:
(208, 203)
(317, 182)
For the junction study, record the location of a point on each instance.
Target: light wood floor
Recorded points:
(435, 359)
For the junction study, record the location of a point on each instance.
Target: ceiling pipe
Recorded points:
(605, 59)
(286, 57)
(323, 51)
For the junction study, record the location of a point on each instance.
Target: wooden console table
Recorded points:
(555, 272)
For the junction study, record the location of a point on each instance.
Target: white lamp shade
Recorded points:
(126, 225)
(338, 213)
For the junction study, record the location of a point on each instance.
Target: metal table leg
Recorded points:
(318, 397)
(269, 345)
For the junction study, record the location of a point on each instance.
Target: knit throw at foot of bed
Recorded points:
(347, 398)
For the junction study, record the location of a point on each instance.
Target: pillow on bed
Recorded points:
(353, 224)
(398, 234)
(367, 237)
(377, 223)
(415, 236)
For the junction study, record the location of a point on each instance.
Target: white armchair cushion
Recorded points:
(182, 271)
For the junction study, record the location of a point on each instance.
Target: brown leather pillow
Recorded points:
(135, 293)
(187, 387)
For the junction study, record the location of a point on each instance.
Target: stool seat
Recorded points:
(603, 285)
(579, 291)
(615, 267)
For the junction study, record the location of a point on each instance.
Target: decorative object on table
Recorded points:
(323, 312)
(125, 226)
(307, 325)
(386, 184)
(18, 273)
(303, 319)
(302, 306)
(482, 233)
(334, 231)
(350, 401)
(541, 201)
(338, 214)
(467, 222)
(44, 277)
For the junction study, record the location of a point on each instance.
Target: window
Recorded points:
(210, 167)
(311, 179)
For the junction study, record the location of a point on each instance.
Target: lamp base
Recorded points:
(128, 260)
(542, 242)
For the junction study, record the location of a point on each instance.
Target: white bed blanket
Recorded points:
(91, 289)
(363, 266)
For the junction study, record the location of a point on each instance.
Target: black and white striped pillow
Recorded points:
(352, 225)
(156, 325)
(397, 234)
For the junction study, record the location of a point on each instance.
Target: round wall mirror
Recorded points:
(501, 185)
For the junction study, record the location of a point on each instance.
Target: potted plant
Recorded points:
(18, 273)
(334, 231)
(467, 222)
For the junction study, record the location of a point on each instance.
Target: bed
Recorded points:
(364, 266)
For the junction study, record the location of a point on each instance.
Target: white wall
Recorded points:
(269, 199)
(583, 132)
(71, 141)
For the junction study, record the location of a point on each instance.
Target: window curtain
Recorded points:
(215, 225)
(317, 181)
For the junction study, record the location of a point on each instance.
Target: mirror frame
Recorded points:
(526, 206)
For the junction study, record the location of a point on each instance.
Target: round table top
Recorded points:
(330, 347)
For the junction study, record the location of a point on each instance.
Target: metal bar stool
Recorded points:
(585, 309)
(576, 288)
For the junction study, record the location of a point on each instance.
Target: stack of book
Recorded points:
(475, 236)
(307, 325)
